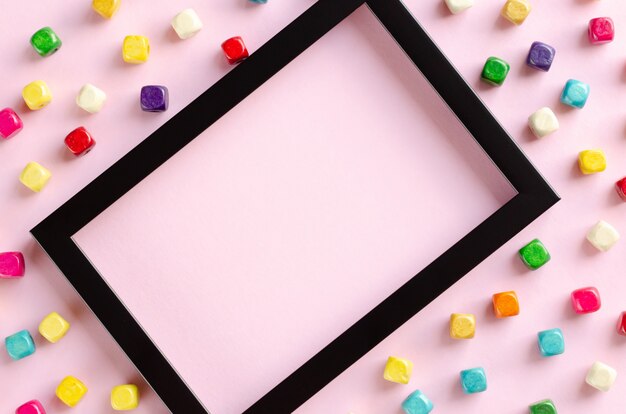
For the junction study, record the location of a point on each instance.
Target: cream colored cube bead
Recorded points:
(91, 98)
(601, 376)
(186, 23)
(543, 122)
(603, 236)
(457, 6)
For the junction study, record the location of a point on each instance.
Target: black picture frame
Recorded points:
(534, 197)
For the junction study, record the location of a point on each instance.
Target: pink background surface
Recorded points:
(506, 348)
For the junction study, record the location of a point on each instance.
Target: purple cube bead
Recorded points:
(154, 98)
(540, 56)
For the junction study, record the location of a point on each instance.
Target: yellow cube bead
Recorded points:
(53, 327)
(36, 95)
(71, 390)
(516, 11)
(591, 161)
(125, 397)
(35, 176)
(462, 325)
(398, 370)
(106, 8)
(135, 49)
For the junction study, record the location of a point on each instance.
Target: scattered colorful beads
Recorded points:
(31, 407)
(543, 407)
(10, 123)
(516, 11)
(621, 324)
(70, 391)
(601, 30)
(540, 56)
(234, 50)
(79, 141)
(591, 161)
(462, 325)
(505, 304)
(417, 403)
(125, 397)
(12, 265)
(457, 6)
(35, 176)
(575, 93)
(534, 254)
(398, 370)
(186, 23)
(586, 300)
(495, 71)
(135, 49)
(90, 98)
(603, 236)
(474, 380)
(154, 98)
(53, 327)
(551, 342)
(19, 345)
(36, 95)
(45, 41)
(620, 187)
(601, 376)
(543, 122)
(106, 8)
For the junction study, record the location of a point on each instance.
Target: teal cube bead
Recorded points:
(543, 407)
(495, 71)
(473, 380)
(20, 345)
(534, 254)
(551, 342)
(45, 41)
(258, 1)
(417, 403)
(575, 93)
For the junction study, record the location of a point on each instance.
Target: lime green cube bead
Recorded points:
(45, 41)
(534, 254)
(543, 407)
(495, 71)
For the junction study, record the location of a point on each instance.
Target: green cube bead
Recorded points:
(534, 254)
(495, 71)
(543, 407)
(45, 41)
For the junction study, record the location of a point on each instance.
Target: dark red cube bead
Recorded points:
(620, 187)
(621, 324)
(235, 50)
(79, 141)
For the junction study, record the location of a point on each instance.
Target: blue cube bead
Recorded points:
(551, 342)
(575, 93)
(540, 56)
(20, 345)
(473, 380)
(417, 403)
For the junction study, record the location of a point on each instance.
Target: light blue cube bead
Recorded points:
(551, 342)
(473, 380)
(417, 403)
(20, 345)
(258, 1)
(575, 93)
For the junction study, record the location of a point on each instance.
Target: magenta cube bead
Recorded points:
(31, 407)
(10, 123)
(12, 265)
(601, 30)
(586, 300)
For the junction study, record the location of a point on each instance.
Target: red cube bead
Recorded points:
(79, 141)
(235, 50)
(620, 187)
(621, 324)
(31, 407)
(586, 300)
(10, 123)
(601, 30)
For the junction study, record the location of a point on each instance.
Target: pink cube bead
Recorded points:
(12, 265)
(10, 123)
(31, 407)
(586, 300)
(601, 30)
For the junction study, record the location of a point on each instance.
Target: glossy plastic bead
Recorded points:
(125, 397)
(79, 141)
(473, 380)
(258, 1)
(417, 403)
(457, 6)
(495, 71)
(462, 325)
(543, 407)
(135, 49)
(36, 95)
(543, 122)
(45, 41)
(10, 123)
(90, 98)
(621, 324)
(154, 98)
(534, 254)
(31, 407)
(516, 11)
(601, 30)
(551, 342)
(70, 391)
(575, 93)
(186, 23)
(601, 376)
(586, 300)
(591, 161)
(12, 265)
(35, 176)
(106, 8)
(505, 304)
(234, 50)
(19, 345)
(540, 56)
(398, 370)
(620, 187)
(53, 327)
(603, 236)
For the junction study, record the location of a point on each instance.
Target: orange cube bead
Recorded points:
(505, 304)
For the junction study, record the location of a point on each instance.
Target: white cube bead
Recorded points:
(601, 376)
(603, 236)
(186, 23)
(543, 122)
(457, 6)
(91, 98)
